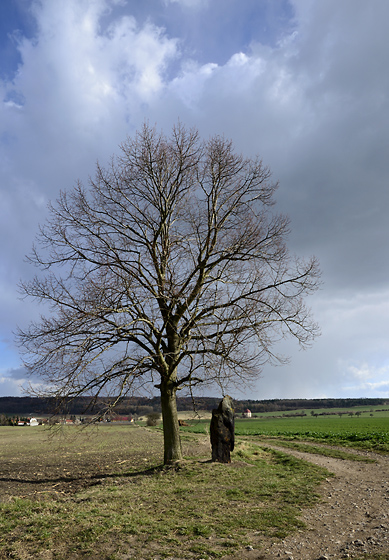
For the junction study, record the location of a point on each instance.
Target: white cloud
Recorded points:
(359, 372)
(190, 86)
(378, 389)
(192, 4)
(12, 381)
(80, 88)
(10, 387)
(76, 69)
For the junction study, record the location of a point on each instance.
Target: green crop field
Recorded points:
(363, 432)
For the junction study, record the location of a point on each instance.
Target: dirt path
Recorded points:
(352, 520)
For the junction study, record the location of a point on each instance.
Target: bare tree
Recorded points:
(171, 269)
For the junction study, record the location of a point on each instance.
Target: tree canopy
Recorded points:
(170, 269)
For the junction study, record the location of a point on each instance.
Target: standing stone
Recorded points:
(223, 431)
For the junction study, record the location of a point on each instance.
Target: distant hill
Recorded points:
(35, 406)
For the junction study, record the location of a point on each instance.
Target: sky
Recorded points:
(302, 83)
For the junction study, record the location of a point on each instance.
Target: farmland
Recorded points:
(103, 494)
(100, 494)
(359, 431)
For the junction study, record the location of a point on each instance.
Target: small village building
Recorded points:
(33, 422)
(247, 413)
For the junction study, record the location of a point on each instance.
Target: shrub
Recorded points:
(153, 418)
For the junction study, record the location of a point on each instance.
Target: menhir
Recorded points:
(223, 431)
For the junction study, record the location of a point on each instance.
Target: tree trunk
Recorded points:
(171, 433)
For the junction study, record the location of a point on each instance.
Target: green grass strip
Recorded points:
(325, 451)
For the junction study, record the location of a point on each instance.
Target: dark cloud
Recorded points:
(16, 374)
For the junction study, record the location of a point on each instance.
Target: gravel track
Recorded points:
(351, 520)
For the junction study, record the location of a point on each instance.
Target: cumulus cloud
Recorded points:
(78, 91)
(76, 72)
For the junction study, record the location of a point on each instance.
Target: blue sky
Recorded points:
(304, 84)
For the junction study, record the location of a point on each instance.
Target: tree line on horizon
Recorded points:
(144, 405)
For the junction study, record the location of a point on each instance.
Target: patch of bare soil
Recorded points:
(68, 470)
(350, 521)
(60, 470)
